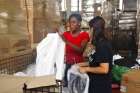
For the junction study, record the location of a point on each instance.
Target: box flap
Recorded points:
(12, 84)
(15, 84)
(133, 76)
(41, 81)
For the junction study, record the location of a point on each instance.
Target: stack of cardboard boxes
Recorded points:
(131, 82)
(14, 32)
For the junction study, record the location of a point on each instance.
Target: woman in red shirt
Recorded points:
(76, 41)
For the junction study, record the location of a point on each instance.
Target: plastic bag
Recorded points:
(118, 71)
(50, 56)
(77, 82)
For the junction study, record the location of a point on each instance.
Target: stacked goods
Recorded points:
(131, 82)
(13, 27)
(46, 17)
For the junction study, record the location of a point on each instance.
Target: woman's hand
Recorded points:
(61, 35)
(103, 68)
(83, 64)
(63, 38)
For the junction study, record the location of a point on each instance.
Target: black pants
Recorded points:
(68, 66)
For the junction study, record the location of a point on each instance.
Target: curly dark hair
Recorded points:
(77, 16)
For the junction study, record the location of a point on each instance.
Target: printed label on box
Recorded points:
(123, 88)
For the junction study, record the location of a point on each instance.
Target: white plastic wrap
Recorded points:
(74, 71)
(50, 56)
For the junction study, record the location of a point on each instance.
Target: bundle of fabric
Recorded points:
(50, 56)
(77, 82)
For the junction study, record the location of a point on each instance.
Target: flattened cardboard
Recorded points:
(41, 81)
(14, 84)
(131, 82)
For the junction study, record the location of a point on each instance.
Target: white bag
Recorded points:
(50, 56)
(73, 77)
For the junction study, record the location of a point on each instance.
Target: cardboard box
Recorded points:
(12, 43)
(131, 82)
(15, 84)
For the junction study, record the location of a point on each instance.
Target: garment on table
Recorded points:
(50, 56)
(73, 56)
(101, 83)
(77, 82)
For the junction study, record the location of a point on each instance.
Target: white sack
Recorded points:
(50, 56)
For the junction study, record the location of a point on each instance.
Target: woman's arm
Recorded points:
(102, 69)
(78, 49)
(83, 64)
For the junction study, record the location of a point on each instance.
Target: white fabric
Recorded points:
(30, 71)
(75, 70)
(20, 74)
(116, 57)
(50, 56)
(138, 60)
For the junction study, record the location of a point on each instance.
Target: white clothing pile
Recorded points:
(50, 56)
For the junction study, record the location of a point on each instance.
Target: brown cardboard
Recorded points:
(45, 18)
(131, 82)
(14, 84)
(41, 81)
(14, 43)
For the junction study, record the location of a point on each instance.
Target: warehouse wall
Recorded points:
(24, 22)
(14, 34)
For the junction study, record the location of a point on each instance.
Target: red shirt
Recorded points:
(72, 56)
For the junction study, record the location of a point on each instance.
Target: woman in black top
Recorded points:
(100, 63)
